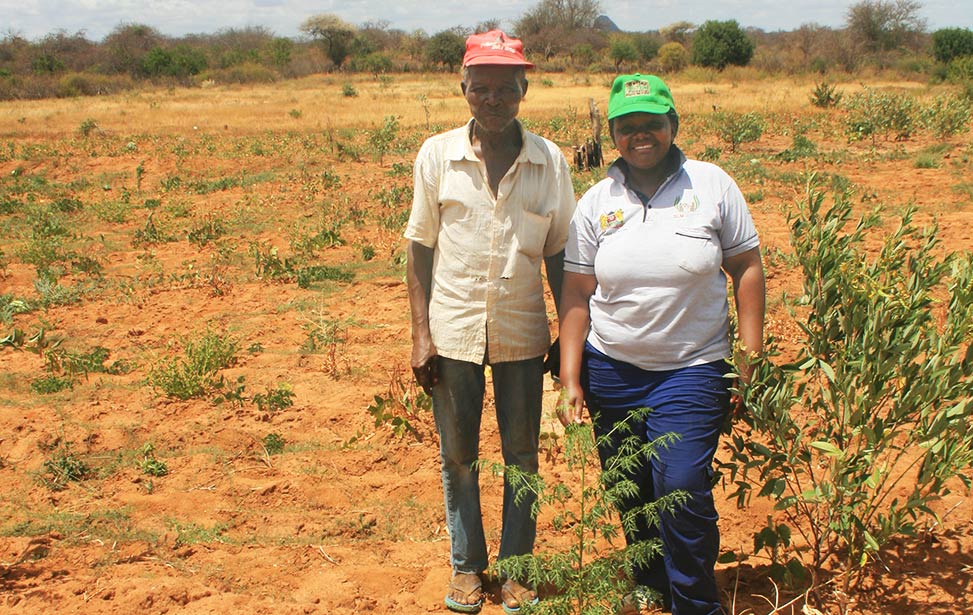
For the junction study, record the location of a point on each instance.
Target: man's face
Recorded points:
(494, 94)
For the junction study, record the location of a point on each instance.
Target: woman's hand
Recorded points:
(570, 405)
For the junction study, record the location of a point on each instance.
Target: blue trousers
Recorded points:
(457, 405)
(691, 402)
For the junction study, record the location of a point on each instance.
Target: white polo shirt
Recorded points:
(661, 299)
(487, 288)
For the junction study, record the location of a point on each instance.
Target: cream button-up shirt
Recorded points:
(487, 296)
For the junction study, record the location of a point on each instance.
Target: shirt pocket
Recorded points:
(698, 252)
(531, 233)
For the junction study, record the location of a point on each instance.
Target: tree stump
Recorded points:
(588, 155)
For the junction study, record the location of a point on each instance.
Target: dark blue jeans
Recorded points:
(457, 404)
(691, 402)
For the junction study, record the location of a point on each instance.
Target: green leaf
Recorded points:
(828, 370)
(828, 449)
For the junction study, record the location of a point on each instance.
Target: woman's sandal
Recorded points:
(513, 595)
(472, 597)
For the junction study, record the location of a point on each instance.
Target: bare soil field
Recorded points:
(303, 476)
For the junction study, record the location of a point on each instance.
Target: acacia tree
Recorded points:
(678, 32)
(446, 47)
(884, 25)
(555, 26)
(334, 33)
(719, 43)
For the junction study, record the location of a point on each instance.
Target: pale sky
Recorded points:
(34, 19)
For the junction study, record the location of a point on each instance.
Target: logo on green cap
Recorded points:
(638, 88)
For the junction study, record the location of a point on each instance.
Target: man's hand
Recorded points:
(427, 374)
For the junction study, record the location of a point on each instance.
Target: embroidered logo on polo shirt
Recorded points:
(687, 203)
(612, 221)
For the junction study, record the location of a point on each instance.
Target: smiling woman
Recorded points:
(644, 316)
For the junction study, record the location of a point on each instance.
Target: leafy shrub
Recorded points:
(11, 305)
(198, 370)
(274, 400)
(318, 273)
(348, 91)
(247, 72)
(737, 128)
(673, 57)
(872, 114)
(269, 264)
(960, 70)
(90, 84)
(45, 385)
(801, 147)
(382, 139)
(825, 95)
(864, 428)
(87, 127)
(273, 443)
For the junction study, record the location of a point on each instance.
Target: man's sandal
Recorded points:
(471, 598)
(513, 595)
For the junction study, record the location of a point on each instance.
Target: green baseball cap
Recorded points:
(639, 93)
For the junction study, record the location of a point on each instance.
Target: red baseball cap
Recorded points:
(494, 47)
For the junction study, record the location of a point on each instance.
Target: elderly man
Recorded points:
(491, 202)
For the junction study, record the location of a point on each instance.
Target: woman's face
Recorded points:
(643, 139)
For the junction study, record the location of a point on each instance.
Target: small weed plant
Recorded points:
(401, 405)
(148, 464)
(63, 467)
(381, 140)
(274, 400)
(273, 443)
(872, 420)
(197, 372)
(205, 231)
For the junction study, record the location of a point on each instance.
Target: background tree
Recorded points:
(679, 32)
(125, 47)
(232, 46)
(720, 43)
(278, 52)
(334, 33)
(884, 25)
(553, 27)
(486, 25)
(647, 45)
(673, 57)
(622, 50)
(446, 48)
(180, 62)
(951, 43)
(62, 51)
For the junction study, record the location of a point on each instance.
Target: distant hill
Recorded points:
(604, 22)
